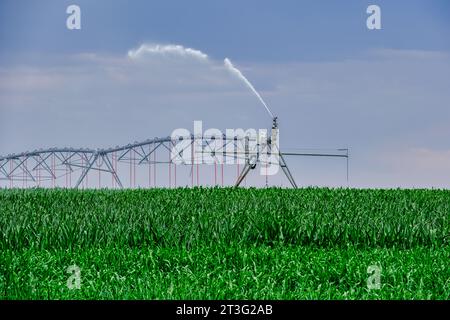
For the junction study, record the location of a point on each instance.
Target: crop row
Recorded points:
(61, 219)
(226, 273)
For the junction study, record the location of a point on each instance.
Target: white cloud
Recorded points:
(424, 159)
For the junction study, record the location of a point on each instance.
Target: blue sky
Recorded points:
(251, 30)
(333, 83)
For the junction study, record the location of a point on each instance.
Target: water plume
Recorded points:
(239, 74)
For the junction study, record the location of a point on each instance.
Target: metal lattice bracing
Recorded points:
(71, 168)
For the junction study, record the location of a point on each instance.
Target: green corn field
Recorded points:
(225, 243)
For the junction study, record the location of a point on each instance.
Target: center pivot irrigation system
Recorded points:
(75, 167)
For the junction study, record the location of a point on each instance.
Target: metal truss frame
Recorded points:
(39, 166)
